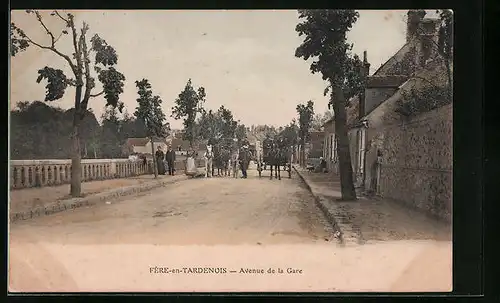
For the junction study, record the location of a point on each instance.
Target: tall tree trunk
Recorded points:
(95, 152)
(303, 153)
(346, 174)
(76, 164)
(155, 168)
(76, 159)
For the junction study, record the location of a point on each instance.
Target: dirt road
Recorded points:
(164, 240)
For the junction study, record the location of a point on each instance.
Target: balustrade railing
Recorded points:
(37, 173)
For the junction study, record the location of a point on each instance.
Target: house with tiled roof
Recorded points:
(382, 84)
(142, 146)
(396, 155)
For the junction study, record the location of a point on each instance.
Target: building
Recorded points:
(401, 157)
(142, 146)
(314, 148)
(330, 145)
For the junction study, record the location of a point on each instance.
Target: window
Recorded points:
(361, 148)
(333, 148)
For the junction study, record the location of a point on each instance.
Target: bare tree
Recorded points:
(104, 60)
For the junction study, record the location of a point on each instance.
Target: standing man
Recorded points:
(244, 160)
(170, 158)
(234, 164)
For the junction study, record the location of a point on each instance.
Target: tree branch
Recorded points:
(89, 81)
(62, 18)
(57, 39)
(97, 95)
(54, 50)
(78, 68)
(39, 18)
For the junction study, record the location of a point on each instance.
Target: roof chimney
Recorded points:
(428, 37)
(414, 18)
(366, 73)
(366, 65)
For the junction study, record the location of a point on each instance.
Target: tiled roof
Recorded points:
(385, 81)
(352, 112)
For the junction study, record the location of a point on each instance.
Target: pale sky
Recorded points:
(244, 58)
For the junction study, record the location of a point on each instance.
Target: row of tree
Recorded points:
(41, 131)
(90, 60)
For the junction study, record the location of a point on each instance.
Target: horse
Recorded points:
(275, 162)
(284, 158)
(222, 162)
(209, 155)
(272, 157)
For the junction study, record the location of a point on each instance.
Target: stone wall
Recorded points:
(36, 173)
(417, 162)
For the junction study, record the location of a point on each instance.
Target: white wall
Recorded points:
(147, 148)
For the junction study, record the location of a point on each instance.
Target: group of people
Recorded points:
(165, 161)
(230, 165)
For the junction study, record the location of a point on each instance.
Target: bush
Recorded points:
(416, 102)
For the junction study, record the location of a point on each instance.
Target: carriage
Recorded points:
(275, 154)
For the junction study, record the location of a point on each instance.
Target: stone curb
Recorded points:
(347, 235)
(93, 199)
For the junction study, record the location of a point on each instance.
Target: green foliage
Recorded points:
(17, 42)
(112, 82)
(104, 53)
(57, 82)
(325, 41)
(187, 105)
(105, 58)
(132, 127)
(149, 110)
(289, 134)
(319, 120)
(445, 40)
(306, 114)
(110, 133)
(218, 127)
(39, 131)
(210, 126)
(228, 124)
(241, 132)
(325, 32)
(418, 101)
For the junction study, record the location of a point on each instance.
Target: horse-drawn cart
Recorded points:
(275, 155)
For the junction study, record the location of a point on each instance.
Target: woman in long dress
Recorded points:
(191, 169)
(159, 161)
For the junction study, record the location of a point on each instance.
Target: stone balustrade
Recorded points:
(37, 173)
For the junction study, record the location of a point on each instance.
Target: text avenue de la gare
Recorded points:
(222, 270)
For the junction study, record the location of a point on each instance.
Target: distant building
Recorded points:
(314, 148)
(142, 146)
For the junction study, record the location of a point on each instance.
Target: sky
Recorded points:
(244, 58)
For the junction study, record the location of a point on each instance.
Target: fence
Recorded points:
(37, 173)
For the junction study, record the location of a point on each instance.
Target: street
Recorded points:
(243, 225)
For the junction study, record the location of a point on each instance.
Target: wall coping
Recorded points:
(66, 161)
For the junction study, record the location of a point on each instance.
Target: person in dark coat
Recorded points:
(159, 161)
(170, 158)
(244, 161)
